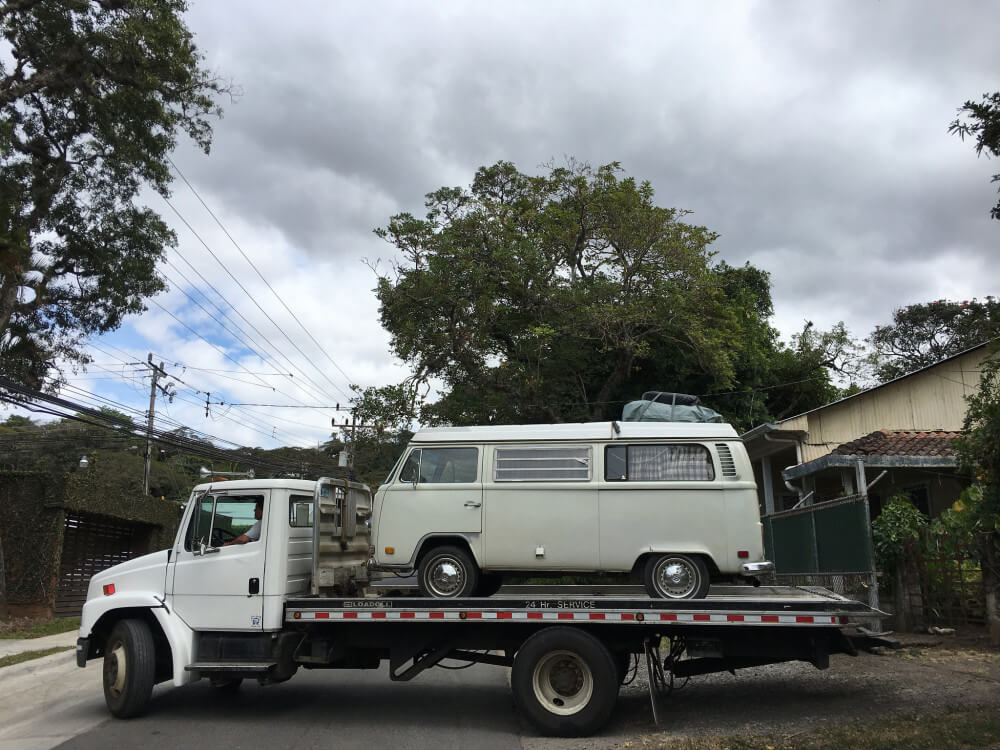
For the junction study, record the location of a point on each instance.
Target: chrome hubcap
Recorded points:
(675, 578)
(447, 577)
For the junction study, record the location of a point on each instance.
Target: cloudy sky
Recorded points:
(811, 135)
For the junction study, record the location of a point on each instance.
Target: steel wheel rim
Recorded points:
(563, 683)
(115, 668)
(445, 576)
(676, 578)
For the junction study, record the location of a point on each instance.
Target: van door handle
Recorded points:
(472, 504)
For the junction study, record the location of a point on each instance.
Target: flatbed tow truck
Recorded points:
(164, 616)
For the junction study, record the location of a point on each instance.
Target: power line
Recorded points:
(251, 297)
(254, 267)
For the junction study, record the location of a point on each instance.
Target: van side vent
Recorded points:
(726, 460)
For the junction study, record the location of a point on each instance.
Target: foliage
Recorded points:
(923, 334)
(93, 96)
(983, 124)
(895, 529)
(560, 297)
(19, 658)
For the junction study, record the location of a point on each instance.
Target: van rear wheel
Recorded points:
(676, 576)
(447, 573)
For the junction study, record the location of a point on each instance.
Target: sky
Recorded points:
(811, 136)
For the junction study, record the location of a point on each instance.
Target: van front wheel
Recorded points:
(675, 576)
(447, 573)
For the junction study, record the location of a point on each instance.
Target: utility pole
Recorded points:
(156, 373)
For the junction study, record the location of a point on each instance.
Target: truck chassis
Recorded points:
(568, 655)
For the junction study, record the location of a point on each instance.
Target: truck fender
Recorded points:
(105, 611)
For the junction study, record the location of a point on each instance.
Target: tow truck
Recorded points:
(304, 597)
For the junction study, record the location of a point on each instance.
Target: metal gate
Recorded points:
(828, 544)
(92, 544)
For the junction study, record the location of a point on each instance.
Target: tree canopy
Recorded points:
(982, 123)
(923, 334)
(562, 296)
(93, 97)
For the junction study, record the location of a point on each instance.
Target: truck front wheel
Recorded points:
(565, 681)
(129, 669)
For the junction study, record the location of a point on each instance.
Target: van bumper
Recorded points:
(756, 568)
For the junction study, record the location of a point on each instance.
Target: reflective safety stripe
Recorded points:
(720, 618)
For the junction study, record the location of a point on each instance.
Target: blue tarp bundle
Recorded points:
(661, 406)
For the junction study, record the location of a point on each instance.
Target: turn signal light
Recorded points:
(743, 554)
(390, 550)
(109, 589)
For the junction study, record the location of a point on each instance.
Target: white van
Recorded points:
(674, 503)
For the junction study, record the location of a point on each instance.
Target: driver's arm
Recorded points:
(241, 539)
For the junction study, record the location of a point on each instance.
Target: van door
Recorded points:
(437, 492)
(217, 587)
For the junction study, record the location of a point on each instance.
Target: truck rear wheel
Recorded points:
(129, 668)
(565, 681)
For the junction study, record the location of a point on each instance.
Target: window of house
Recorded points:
(658, 463)
(534, 464)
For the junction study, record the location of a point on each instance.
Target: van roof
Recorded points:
(577, 431)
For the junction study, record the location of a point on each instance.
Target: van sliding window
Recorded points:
(542, 464)
(658, 463)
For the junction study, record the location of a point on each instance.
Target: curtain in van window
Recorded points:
(653, 463)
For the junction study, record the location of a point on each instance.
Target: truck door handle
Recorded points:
(253, 587)
(472, 504)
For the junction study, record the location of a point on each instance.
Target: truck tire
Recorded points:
(447, 573)
(676, 576)
(129, 669)
(565, 681)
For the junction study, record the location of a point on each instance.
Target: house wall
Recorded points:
(930, 400)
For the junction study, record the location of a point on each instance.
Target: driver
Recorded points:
(253, 533)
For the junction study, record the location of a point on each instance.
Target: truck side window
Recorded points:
(300, 511)
(658, 463)
(441, 466)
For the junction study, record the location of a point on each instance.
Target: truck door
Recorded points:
(214, 586)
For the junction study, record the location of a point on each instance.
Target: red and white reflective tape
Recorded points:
(718, 618)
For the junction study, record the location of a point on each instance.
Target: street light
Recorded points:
(204, 472)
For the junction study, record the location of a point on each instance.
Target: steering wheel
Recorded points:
(220, 536)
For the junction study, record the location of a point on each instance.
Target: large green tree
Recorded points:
(93, 96)
(923, 334)
(559, 297)
(981, 122)
(979, 455)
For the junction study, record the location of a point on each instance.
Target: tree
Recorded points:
(983, 124)
(92, 100)
(979, 455)
(923, 334)
(553, 298)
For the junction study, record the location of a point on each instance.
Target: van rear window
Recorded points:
(542, 464)
(658, 463)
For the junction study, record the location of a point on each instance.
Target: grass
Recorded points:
(960, 730)
(18, 629)
(7, 661)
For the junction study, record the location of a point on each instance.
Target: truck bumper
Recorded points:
(756, 568)
(82, 649)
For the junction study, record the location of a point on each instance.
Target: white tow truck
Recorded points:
(302, 597)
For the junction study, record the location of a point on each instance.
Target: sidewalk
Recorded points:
(8, 647)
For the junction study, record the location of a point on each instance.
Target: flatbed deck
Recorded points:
(728, 605)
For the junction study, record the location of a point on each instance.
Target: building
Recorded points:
(896, 437)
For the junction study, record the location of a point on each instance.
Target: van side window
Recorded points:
(542, 464)
(658, 463)
(441, 466)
